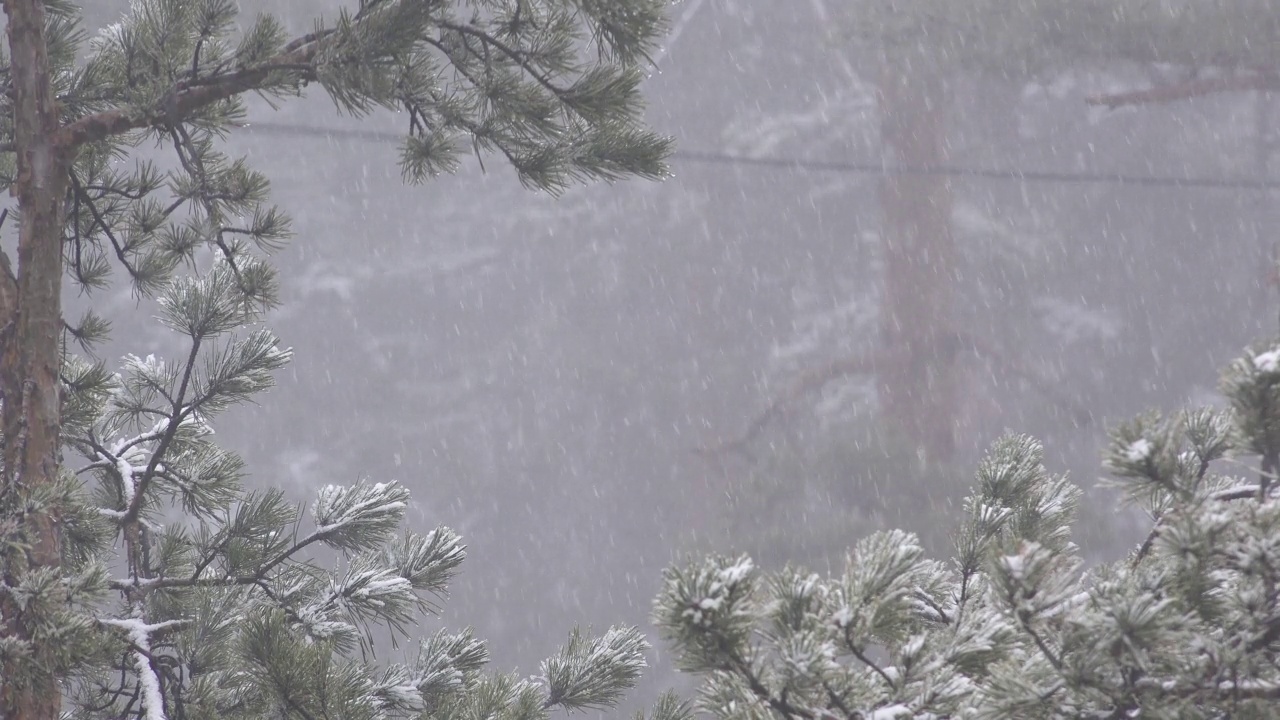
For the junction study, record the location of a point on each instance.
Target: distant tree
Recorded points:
(913, 50)
(921, 45)
(145, 580)
(1013, 626)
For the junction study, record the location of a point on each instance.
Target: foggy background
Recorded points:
(541, 372)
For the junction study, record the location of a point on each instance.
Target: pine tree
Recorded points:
(138, 576)
(1013, 626)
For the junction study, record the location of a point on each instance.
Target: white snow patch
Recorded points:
(890, 712)
(842, 617)
(1015, 564)
(405, 696)
(140, 635)
(1138, 451)
(1267, 362)
(737, 572)
(312, 618)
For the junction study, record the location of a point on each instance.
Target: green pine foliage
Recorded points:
(182, 593)
(1014, 626)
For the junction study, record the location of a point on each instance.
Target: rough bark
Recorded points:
(30, 359)
(919, 395)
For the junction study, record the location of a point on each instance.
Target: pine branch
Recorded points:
(188, 96)
(100, 222)
(475, 129)
(511, 53)
(1240, 492)
(163, 583)
(189, 157)
(839, 702)
(106, 190)
(212, 555)
(1040, 642)
(194, 580)
(308, 39)
(110, 457)
(176, 416)
(779, 705)
(857, 652)
(923, 597)
(1268, 637)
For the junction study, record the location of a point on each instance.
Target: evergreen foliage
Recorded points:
(173, 590)
(1013, 626)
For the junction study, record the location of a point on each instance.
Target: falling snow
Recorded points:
(590, 384)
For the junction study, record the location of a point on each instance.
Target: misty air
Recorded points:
(737, 359)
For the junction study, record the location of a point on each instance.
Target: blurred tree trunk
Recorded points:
(919, 382)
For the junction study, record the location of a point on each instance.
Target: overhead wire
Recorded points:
(709, 157)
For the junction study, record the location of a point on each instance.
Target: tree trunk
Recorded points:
(919, 389)
(32, 325)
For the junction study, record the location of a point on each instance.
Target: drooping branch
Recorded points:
(1262, 80)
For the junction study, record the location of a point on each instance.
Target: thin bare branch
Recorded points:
(815, 379)
(808, 381)
(1265, 81)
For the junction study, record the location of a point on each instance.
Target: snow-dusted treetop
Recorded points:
(1013, 626)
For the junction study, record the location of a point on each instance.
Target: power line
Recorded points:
(1027, 176)
(708, 157)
